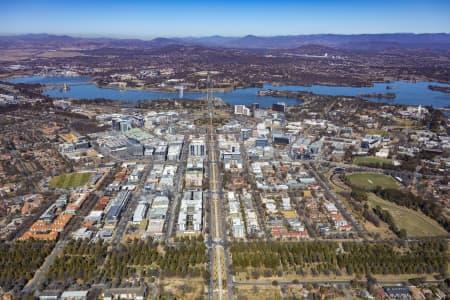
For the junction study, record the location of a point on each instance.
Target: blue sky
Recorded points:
(149, 19)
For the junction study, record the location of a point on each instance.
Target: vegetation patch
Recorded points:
(348, 258)
(404, 122)
(19, 261)
(70, 180)
(414, 222)
(89, 263)
(179, 288)
(372, 161)
(407, 199)
(381, 132)
(370, 181)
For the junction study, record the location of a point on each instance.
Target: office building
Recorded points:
(197, 147)
(191, 212)
(121, 124)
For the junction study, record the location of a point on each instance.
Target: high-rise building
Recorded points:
(279, 106)
(120, 124)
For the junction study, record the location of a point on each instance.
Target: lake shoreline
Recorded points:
(83, 87)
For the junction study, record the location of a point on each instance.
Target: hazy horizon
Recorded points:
(212, 35)
(150, 19)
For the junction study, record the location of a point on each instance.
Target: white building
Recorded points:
(160, 152)
(67, 148)
(197, 147)
(134, 176)
(174, 152)
(74, 295)
(238, 228)
(191, 212)
(237, 224)
(242, 110)
(140, 212)
(81, 234)
(383, 153)
(157, 215)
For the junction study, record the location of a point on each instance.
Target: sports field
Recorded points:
(70, 180)
(370, 181)
(414, 222)
(363, 160)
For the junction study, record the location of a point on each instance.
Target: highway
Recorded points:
(217, 241)
(216, 219)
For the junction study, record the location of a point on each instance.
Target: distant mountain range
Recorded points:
(362, 41)
(359, 41)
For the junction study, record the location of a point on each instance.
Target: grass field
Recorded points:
(180, 288)
(258, 292)
(415, 223)
(362, 160)
(370, 181)
(404, 122)
(377, 131)
(69, 180)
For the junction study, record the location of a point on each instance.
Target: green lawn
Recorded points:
(363, 160)
(370, 181)
(414, 222)
(70, 180)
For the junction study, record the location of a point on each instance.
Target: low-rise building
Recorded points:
(157, 215)
(194, 172)
(140, 212)
(174, 152)
(74, 295)
(139, 293)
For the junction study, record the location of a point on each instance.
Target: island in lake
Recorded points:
(440, 88)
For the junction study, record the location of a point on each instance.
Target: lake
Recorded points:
(415, 93)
